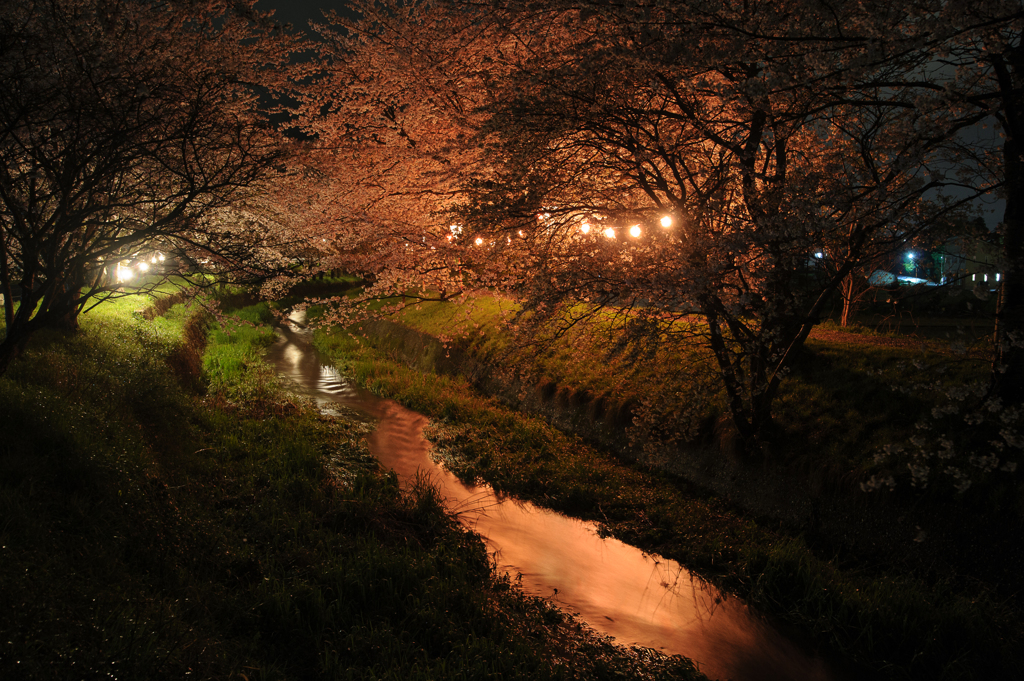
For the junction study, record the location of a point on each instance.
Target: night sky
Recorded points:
(299, 12)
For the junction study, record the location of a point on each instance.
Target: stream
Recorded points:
(638, 598)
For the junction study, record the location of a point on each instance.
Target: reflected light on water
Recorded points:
(619, 590)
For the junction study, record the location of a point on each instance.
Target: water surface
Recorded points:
(619, 590)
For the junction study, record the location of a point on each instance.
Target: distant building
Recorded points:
(971, 262)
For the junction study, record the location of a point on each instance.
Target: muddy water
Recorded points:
(638, 598)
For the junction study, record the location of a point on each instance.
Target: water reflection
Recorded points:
(637, 598)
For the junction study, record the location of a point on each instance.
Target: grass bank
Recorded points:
(846, 381)
(891, 616)
(163, 519)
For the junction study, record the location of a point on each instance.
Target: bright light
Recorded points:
(520, 234)
(143, 266)
(819, 255)
(634, 231)
(666, 221)
(161, 257)
(123, 273)
(456, 230)
(610, 233)
(910, 255)
(585, 228)
(153, 260)
(479, 240)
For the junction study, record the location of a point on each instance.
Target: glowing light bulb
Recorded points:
(634, 231)
(143, 266)
(666, 221)
(610, 233)
(585, 228)
(479, 240)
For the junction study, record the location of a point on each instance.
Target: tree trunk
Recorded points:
(19, 329)
(1008, 359)
(10, 348)
(1008, 338)
(846, 291)
(69, 320)
(5, 284)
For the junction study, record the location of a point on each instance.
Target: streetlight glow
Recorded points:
(634, 231)
(666, 221)
(585, 228)
(610, 233)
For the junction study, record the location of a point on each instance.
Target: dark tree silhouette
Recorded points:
(130, 131)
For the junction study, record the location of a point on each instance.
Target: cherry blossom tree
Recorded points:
(962, 63)
(983, 76)
(130, 135)
(674, 168)
(954, 67)
(393, 120)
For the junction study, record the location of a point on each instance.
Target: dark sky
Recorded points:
(298, 12)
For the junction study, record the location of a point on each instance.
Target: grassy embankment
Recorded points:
(902, 614)
(151, 531)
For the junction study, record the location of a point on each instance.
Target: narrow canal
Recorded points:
(639, 599)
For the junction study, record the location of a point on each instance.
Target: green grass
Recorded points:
(577, 360)
(832, 388)
(900, 623)
(160, 517)
(150, 532)
(233, 362)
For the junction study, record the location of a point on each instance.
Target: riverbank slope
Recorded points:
(166, 518)
(857, 584)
